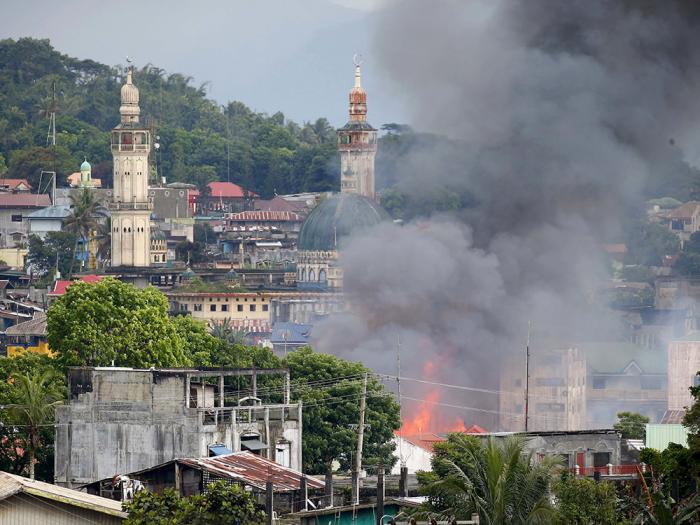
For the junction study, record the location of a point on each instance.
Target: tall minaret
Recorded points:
(357, 143)
(130, 205)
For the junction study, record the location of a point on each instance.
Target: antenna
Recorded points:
(527, 374)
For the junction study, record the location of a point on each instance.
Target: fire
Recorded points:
(421, 421)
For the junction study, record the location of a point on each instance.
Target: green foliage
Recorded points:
(498, 480)
(582, 501)
(688, 264)
(631, 425)
(29, 388)
(110, 321)
(676, 462)
(42, 256)
(330, 410)
(692, 421)
(222, 504)
(200, 141)
(197, 341)
(665, 511)
(648, 242)
(639, 274)
(627, 298)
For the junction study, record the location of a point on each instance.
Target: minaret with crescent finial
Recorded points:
(130, 206)
(357, 144)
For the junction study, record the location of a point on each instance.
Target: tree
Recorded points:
(198, 343)
(36, 399)
(665, 511)
(14, 433)
(582, 501)
(86, 214)
(692, 421)
(498, 480)
(329, 410)
(222, 504)
(114, 322)
(55, 251)
(631, 425)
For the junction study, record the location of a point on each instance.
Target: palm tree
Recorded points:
(85, 217)
(225, 331)
(36, 398)
(499, 481)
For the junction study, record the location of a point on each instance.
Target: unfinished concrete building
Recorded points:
(121, 420)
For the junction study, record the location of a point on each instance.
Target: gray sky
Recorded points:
(293, 56)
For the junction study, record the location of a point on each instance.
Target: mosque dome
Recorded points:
(187, 275)
(129, 92)
(85, 166)
(337, 217)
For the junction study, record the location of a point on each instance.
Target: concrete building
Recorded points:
(557, 391)
(684, 220)
(49, 219)
(683, 367)
(26, 501)
(121, 420)
(15, 185)
(130, 205)
(224, 197)
(14, 211)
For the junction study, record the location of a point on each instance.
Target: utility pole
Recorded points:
(527, 375)
(360, 439)
(403, 478)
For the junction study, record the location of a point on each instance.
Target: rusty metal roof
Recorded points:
(252, 470)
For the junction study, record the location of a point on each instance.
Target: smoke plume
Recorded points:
(561, 113)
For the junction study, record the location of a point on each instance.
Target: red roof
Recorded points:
(13, 183)
(24, 200)
(261, 216)
(228, 190)
(475, 429)
(60, 286)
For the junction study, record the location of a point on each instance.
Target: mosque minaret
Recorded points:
(130, 206)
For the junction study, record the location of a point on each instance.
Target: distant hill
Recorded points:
(200, 140)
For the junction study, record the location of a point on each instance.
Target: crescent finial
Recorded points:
(357, 59)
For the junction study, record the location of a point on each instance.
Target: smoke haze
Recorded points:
(561, 112)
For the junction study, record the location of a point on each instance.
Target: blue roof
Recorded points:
(292, 333)
(59, 211)
(219, 450)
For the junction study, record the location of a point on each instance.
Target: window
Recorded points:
(565, 460)
(183, 307)
(549, 381)
(312, 275)
(252, 307)
(265, 307)
(212, 308)
(224, 308)
(239, 307)
(17, 218)
(598, 383)
(322, 276)
(601, 459)
(651, 383)
(198, 307)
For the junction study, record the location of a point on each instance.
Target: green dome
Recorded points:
(231, 275)
(85, 166)
(336, 217)
(188, 274)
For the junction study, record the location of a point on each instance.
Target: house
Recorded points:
(121, 420)
(14, 209)
(278, 203)
(49, 219)
(28, 336)
(242, 309)
(247, 231)
(15, 185)
(223, 197)
(684, 220)
(415, 452)
(585, 452)
(192, 476)
(24, 501)
(289, 336)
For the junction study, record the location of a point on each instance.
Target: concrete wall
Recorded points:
(683, 365)
(120, 421)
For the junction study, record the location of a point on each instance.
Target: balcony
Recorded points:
(609, 470)
(130, 147)
(131, 206)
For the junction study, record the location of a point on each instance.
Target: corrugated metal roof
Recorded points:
(265, 215)
(24, 200)
(659, 436)
(35, 326)
(11, 484)
(58, 211)
(252, 470)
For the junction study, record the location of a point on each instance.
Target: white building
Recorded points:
(415, 452)
(130, 206)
